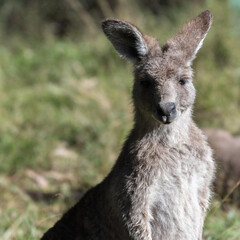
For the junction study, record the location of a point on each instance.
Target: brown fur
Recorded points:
(159, 187)
(227, 154)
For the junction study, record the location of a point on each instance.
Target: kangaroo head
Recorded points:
(163, 88)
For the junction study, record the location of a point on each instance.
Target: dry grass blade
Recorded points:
(216, 208)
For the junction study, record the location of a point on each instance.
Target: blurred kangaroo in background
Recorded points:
(159, 188)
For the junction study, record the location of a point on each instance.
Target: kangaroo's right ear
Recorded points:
(126, 38)
(190, 38)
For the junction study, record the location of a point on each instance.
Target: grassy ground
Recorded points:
(65, 110)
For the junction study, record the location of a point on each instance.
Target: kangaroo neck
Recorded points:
(167, 134)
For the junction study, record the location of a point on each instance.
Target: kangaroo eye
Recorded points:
(146, 83)
(182, 81)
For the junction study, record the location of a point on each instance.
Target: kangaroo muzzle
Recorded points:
(166, 112)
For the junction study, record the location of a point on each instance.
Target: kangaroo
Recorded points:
(227, 157)
(159, 188)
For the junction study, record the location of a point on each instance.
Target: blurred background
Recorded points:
(65, 103)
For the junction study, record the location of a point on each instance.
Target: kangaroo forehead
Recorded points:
(161, 68)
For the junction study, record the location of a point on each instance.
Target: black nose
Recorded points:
(166, 108)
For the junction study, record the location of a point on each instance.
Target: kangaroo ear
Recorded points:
(189, 40)
(126, 38)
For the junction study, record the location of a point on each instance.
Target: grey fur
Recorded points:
(159, 188)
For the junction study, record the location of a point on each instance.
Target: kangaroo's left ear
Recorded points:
(127, 39)
(189, 40)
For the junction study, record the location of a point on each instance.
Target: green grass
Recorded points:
(65, 110)
(222, 225)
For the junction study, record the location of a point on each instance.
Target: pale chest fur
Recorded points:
(174, 197)
(179, 177)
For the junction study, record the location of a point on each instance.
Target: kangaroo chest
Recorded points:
(174, 195)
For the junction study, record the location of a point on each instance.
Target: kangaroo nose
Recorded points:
(166, 108)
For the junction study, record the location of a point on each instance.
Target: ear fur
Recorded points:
(126, 38)
(189, 40)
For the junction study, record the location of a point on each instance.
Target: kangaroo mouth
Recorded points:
(165, 119)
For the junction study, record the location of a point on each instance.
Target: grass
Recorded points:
(59, 108)
(223, 225)
(65, 110)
